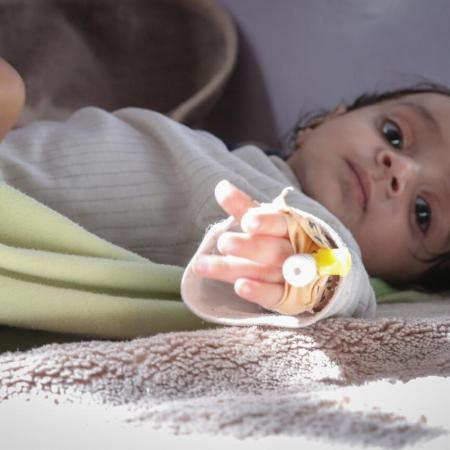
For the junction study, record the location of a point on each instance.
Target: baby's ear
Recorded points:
(304, 133)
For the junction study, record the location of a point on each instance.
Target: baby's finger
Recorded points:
(265, 294)
(230, 268)
(262, 249)
(255, 221)
(232, 200)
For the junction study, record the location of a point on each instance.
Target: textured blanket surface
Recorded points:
(382, 382)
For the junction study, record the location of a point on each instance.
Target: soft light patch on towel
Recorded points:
(343, 381)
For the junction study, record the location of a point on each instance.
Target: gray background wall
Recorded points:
(298, 55)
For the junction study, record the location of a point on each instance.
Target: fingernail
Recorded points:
(242, 287)
(201, 264)
(223, 183)
(222, 187)
(250, 223)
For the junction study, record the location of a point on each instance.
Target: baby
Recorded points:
(381, 166)
(374, 171)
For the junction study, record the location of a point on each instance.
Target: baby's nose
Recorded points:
(399, 170)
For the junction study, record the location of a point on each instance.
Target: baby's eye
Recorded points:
(393, 134)
(423, 214)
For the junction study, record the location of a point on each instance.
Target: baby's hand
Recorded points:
(251, 260)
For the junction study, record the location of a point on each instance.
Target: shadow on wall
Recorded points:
(235, 119)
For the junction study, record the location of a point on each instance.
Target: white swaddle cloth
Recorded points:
(326, 296)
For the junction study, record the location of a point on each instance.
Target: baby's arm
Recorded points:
(251, 260)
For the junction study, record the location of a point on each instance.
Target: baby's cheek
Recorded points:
(383, 248)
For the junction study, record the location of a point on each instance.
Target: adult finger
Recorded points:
(229, 268)
(232, 200)
(265, 294)
(256, 221)
(262, 249)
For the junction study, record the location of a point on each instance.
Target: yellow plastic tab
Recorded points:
(333, 261)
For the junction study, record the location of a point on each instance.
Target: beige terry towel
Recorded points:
(342, 382)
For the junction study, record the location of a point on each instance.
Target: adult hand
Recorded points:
(252, 259)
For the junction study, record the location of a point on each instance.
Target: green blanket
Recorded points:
(65, 283)
(58, 277)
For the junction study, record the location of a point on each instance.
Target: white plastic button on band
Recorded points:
(300, 269)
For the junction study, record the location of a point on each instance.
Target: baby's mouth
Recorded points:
(360, 184)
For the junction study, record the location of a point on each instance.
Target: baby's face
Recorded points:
(384, 171)
(12, 97)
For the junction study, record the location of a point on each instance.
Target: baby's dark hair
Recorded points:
(437, 278)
